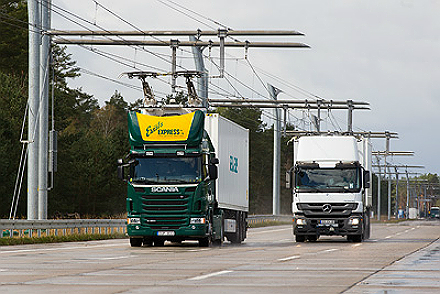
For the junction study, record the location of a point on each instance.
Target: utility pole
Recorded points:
(34, 95)
(44, 112)
(407, 194)
(378, 191)
(276, 153)
(202, 85)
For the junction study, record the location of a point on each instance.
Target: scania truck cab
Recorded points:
(171, 174)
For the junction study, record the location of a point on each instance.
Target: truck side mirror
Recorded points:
(366, 179)
(120, 169)
(288, 178)
(213, 172)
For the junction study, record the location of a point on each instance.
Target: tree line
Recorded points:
(91, 137)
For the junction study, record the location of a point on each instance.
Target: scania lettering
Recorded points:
(182, 181)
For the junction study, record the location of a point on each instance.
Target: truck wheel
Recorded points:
(148, 242)
(367, 226)
(135, 242)
(312, 238)
(205, 242)
(159, 243)
(300, 238)
(354, 238)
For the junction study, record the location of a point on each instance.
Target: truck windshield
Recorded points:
(167, 170)
(328, 179)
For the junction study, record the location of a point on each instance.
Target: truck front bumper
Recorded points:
(327, 226)
(191, 232)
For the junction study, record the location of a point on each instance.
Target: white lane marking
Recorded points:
(270, 231)
(108, 258)
(329, 250)
(289, 258)
(356, 245)
(58, 249)
(197, 250)
(202, 277)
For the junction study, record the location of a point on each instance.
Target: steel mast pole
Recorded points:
(34, 94)
(407, 194)
(202, 85)
(44, 112)
(378, 190)
(276, 154)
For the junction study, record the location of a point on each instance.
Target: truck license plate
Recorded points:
(327, 222)
(166, 233)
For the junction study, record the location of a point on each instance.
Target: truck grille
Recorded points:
(327, 209)
(165, 211)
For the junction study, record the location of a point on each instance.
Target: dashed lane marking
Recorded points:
(202, 277)
(289, 258)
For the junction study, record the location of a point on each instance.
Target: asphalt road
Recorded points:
(399, 258)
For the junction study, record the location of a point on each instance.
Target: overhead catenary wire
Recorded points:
(230, 76)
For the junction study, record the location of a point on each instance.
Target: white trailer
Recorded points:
(231, 144)
(331, 194)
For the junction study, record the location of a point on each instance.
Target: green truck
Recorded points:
(178, 187)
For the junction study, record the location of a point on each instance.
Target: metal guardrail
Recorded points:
(20, 228)
(9, 228)
(261, 219)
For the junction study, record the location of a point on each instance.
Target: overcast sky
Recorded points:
(385, 52)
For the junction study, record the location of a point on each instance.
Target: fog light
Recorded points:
(354, 221)
(197, 220)
(134, 221)
(301, 222)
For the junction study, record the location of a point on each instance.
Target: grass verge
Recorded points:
(57, 239)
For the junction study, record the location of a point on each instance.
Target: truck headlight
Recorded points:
(197, 220)
(354, 221)
(133, 221)
(301, 222)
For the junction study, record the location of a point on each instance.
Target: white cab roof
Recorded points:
(327, 149)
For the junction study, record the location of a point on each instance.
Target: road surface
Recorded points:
(399, 258)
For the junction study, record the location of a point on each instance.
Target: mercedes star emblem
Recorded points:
(327, 208)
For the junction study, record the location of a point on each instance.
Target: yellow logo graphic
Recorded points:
(168, 128)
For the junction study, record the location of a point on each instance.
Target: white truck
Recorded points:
(331, 187)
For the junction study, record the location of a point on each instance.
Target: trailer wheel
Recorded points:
(300, 238)
(135, 242)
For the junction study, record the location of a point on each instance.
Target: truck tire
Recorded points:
(159, 243)
(300, 238)
(205, 242)
(354, 238)
(367, 225)
(135, 242)
(312, 238)
(148, 242)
